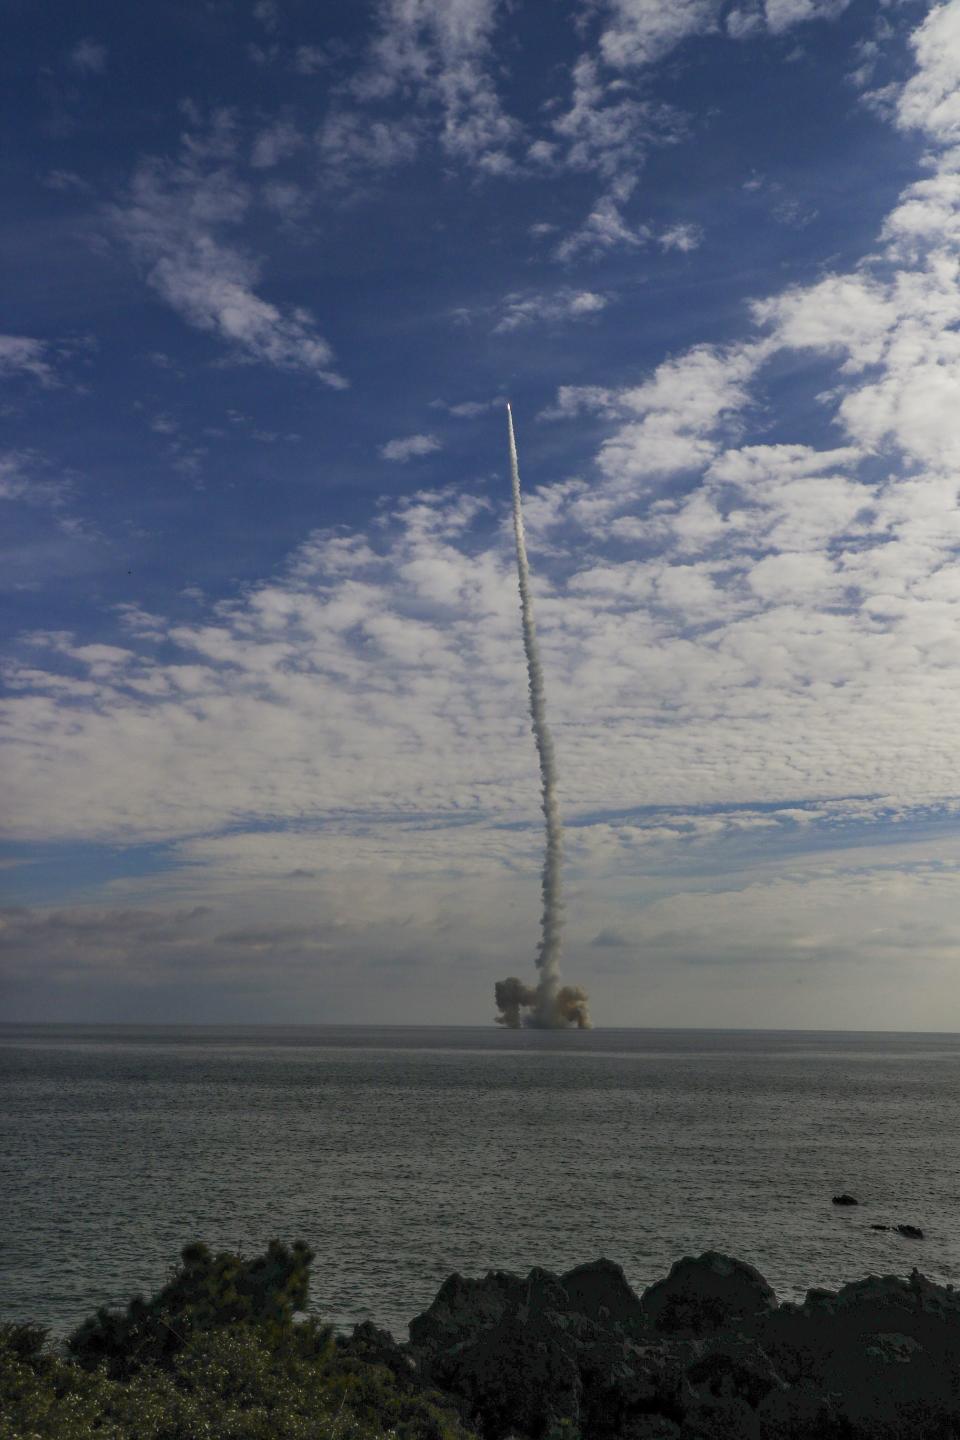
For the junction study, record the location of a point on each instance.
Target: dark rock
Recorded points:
(600, 1291)
(802, 1412)
(733, 1368)
(523, 1355)
(701, 1295)
(655, 1427)
(718, 1359)
(884, 1347)
(504, 1348)
(625, 1384)
(463, 1309)
(520, 1375)
(726, 1377)
(912, 1232)
(378, 1347)
(879, 1227)
(845, 1200)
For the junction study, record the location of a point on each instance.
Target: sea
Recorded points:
(402, 1154)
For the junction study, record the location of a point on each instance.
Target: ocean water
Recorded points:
(403, 1154)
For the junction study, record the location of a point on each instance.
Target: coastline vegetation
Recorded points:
(219, 1353)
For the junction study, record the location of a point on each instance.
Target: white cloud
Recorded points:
(521, 309)
(784, 14)
(930, 100)
(89, 57)
(794, 213)
(643, 31)
(467, 409)
(604, 229)
(743, 24)
(401, 668)
(575, 399)
(310, 59)
(267, 13)
(894, 321)
(409, 447)
(801, 577)
(604, 130)
(778, 16)
(24, 476)
(671, 419)
(851, 313)
(682, 237)
(928, 212)
(13, 483)
(286, 199)
(24, 355)
(607, 129)
(443, 50)
(275, 143)
(66, 181)
(43, 537)
(173, 219)
(349, 143)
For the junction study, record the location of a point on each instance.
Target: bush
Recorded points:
(215, 1355)
(26, 1342)
(208, 1290)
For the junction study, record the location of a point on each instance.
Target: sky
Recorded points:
(270, 271)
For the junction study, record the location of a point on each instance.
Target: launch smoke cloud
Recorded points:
(549, 1004)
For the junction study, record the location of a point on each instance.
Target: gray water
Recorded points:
(402, 1154)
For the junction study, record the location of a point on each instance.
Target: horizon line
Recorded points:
(441, 1025)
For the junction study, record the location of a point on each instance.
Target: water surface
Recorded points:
(401, 1154)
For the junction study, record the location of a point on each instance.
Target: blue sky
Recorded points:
(269, 271)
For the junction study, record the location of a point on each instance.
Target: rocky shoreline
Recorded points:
(706, 1352)
(225, 1351)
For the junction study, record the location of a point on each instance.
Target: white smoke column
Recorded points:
(546, 1001)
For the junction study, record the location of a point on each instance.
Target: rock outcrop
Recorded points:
(377, 1347)
(886, 1349)
(702, 1296)
(707, 1352)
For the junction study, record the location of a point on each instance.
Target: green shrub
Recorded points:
(25, 1341)
(207, 1290)
(215, 1355)
(223, 1385)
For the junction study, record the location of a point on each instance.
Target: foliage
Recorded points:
(563, 1430)
(26, 1342)
(208, 1290)
(238, 1367)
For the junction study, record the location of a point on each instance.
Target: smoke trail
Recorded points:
(550, 1005)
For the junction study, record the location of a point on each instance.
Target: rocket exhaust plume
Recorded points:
(549, 1005)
